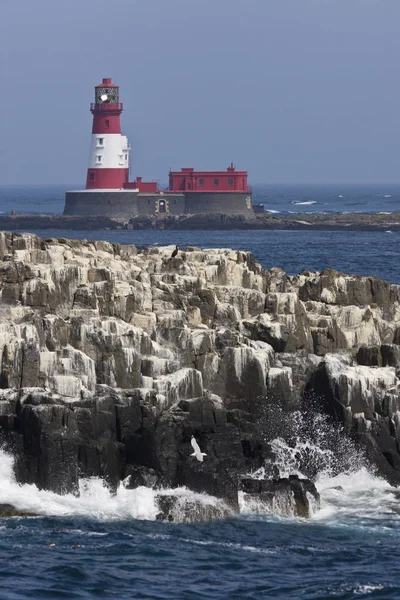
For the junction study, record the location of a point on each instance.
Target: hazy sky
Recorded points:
(291, 90)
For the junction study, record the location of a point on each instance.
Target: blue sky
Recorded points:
(294, 91)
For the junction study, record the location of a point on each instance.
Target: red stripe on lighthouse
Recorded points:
(106, 179)
(106, 118)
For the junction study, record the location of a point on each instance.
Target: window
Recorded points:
(230, 181)
(100, 142)
(216, 181)
(126, 157)
(201, 181)
(189, 186)
(91, 176)
(99, 159)
(107, 123)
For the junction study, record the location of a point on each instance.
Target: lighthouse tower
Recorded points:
(109, 150)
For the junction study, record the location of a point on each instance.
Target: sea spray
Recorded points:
(358, 498)
(305, 442)
(311, 445)
(96, 500)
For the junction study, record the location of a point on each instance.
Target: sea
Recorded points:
(103, 545)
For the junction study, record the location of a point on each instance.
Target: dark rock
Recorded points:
(391, 355)
(186, 509)
(290, 496)
(370, 356)
(8, 510)
(136, 476)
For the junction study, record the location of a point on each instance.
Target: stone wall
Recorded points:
(226, 203)
(125, 205)
(159, 204)
(116, 205)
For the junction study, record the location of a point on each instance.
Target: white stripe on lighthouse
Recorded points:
(109, 151)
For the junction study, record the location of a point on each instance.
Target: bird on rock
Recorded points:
(197, 452)
(175, 252)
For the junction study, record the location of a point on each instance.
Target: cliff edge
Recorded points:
(111, 358)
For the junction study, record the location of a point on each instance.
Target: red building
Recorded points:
(189, 180)
(145, 187)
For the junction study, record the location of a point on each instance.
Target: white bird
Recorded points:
(197, 452)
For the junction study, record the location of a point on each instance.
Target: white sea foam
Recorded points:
(359, 496)
(272, 211)
(367, 589)
(351, 494)
(94, 499)
(228, 545)
(305, 203)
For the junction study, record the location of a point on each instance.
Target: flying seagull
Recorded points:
(197, 452)
(175, 252)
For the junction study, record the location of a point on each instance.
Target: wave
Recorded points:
(95, 499)
(359, 498)
(272, 211)
(305, 203)
(352, 495)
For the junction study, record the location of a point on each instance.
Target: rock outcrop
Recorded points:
(188, 509)
(111, 358)
(290, 496)
(8, 510)
(208, 221)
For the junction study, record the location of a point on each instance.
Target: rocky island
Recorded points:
(112, 358)
(220, 221)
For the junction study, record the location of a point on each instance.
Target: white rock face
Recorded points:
(111, 356)
(75, 315)
(362, 388)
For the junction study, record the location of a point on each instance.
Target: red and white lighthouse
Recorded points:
(109, 150)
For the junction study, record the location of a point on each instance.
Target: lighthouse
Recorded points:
(110, 194)
(109, 149)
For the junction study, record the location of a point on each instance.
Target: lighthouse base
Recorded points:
(122, 205)
(115, 204)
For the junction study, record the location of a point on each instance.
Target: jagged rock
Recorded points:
(136, 476)
(111, 357)
(290, 497)
(367, 401)
(186, 509)
(370, 356)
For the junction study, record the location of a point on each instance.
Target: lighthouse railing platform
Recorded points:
(117, 106)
